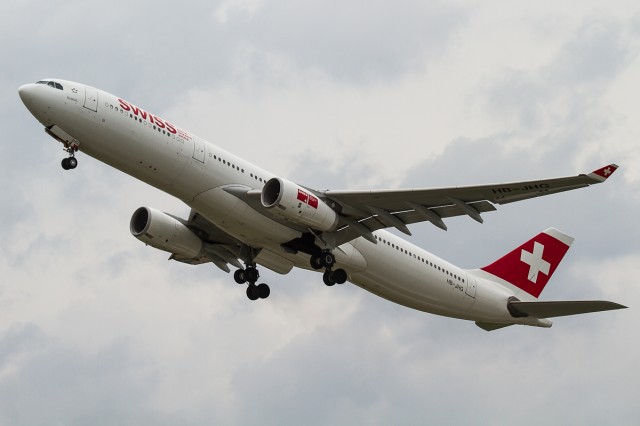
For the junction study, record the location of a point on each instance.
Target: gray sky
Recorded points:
(96, 328)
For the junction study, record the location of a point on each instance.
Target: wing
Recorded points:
(362, 212)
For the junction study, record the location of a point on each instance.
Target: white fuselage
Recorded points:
(195, 171)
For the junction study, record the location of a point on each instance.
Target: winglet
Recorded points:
(603, 173)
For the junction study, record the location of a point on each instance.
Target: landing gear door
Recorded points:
(471, 286)
(91, 98)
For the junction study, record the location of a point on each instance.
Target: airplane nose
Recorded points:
(35, 102)
(25, 91)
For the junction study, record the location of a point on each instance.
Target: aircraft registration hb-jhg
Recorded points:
(240, 212)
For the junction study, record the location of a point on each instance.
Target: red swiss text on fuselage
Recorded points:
(138, 112)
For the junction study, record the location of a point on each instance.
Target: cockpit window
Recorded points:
(50, 84)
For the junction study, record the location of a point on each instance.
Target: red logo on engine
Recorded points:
(307, 199)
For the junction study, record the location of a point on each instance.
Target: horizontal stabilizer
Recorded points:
(562, 308)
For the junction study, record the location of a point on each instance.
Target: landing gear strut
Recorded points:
(326, 259)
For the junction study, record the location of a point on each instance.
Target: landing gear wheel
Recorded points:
(251, 274)
(252, 292)
(239, 276)
(328, 279)
(339, 276)
(263, 291)
(69, 163)
(328, 259)
(316, 261)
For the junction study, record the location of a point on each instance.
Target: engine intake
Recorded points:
(164, 232)
(294, 203)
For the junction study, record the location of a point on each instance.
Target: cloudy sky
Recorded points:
(96, 328)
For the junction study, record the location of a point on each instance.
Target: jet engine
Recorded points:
(294, 203)
(164, 232)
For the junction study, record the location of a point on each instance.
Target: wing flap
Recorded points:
(563, 308)
(409, 217)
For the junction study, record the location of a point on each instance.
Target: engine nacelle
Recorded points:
(164, 232)
(292, 202)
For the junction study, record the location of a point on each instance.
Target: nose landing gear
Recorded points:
(70, 162)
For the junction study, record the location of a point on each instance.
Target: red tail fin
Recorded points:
(530, 266)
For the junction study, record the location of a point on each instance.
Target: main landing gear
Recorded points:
(326, 259)
(70, 162)
(250, 275)
(320, 259)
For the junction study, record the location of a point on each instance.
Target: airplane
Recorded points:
(243, 216)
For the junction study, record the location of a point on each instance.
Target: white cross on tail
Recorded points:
(535, 262)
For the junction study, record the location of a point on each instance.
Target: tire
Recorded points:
(328, 259)
(251, 275)
(263, 291)
(252, 293)
(72, 162)
(339, 276)
(316, 261)
(239, 276)
(65, 163)
(328, 279)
